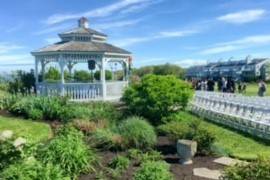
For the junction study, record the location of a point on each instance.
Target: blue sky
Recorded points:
(183, 32)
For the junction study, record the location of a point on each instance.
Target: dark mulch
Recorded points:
(5, 113)
(168, 149)
(184, 172)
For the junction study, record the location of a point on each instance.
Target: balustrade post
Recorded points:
(103, 78)
(36, 74)
(62, 64)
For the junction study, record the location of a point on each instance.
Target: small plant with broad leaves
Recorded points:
(153, 170)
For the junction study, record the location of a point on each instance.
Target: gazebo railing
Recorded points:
(82, 91)
(116, 88)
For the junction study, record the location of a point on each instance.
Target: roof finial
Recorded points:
(83, 22)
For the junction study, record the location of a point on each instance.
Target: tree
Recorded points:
(164, 69)
(108, 75)
(52, 74)
(156, 96)
(22, 82)
(82, 76)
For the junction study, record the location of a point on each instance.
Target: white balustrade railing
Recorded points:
(82, 91)
(116, 88)
(249, 114)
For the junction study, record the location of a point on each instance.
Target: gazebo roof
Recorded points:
(81, 46)
(82, 39)
(83, 31)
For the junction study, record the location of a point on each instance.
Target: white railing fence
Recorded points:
(248, 114)
(82, 91)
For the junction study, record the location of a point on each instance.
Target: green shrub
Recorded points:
(106, 139)
(205, 140)
(7, 102)
(137, 133)
(120, 163)
(35, 114)
(94, 111)
(155, 96)
(192, 130)
(69, 151)
(3, 86)
(260, 169)
(32, 107)
(153, 170)
(9, 154)
(141, 157)
(32, 169)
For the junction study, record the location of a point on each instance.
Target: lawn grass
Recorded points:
(232, 143)
(3, 93)
(32, 131)
(252, 89)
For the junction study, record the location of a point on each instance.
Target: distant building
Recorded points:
(245, 70)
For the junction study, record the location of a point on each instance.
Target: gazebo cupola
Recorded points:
(83, 33)
(82, 45)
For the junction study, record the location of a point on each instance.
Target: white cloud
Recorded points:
(7, 47)
(52, 40)
(243, 43)
(116, 24)
(16, 59)
(220, 49)
(161, 35)
(242, 17)
(185, 63)
(99, 12)
(167, 34)
(54, 29)
(139, 7)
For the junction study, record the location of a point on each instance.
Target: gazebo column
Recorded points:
(70, 66)
(36, 71)
(62, 64)
(103, 78)
(43, 63)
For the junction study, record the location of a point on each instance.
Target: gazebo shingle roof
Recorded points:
(82, 30)
(80, 46)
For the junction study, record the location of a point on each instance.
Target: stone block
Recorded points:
(186, 149)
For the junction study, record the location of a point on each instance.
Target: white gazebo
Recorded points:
(82, 45)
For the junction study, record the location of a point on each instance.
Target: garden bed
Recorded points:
(168, 150)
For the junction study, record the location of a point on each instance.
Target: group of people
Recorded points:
(227, 85)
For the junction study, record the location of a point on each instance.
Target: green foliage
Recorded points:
(9, 154)
(164, 69)
(141, 157)
(3, 86)
(82, 76)
(58, 108)
(106, 139)
(137, 133)
(157, 96)
(33, 169)
(52, 74)
(23, 82)
(95, 111)
(108, 75)
(188, 129)
(119, 163)
(69, 151)
(260, 169)
(153, 170)
(48, 108)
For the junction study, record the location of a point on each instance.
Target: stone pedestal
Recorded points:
(186, 149)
